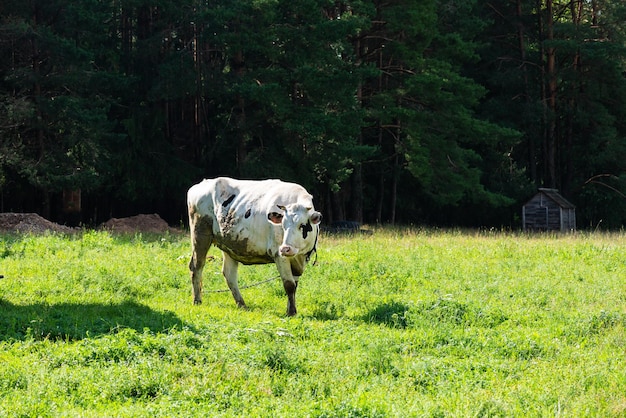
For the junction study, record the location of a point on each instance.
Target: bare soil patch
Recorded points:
(34, 223)
(150, 224)
(30, 222)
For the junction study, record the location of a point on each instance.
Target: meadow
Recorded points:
(399, 323)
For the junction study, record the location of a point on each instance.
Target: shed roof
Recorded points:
(555, 196)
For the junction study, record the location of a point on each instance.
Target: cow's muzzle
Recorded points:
(287, 251)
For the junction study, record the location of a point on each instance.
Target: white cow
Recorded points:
(252, 222)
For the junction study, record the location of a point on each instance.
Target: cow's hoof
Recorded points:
(197, 302)
(291, 312)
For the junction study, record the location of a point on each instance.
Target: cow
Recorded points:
(252, 222)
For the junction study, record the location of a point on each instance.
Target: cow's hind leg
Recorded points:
(230, 271)
(201, 238)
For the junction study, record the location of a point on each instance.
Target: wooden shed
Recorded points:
(549, 211)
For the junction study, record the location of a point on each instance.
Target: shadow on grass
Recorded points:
(70, 322)
(392, 314)
(430, 313)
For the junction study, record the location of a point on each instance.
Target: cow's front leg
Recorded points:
(229, 270)
(290, 289)
(290, 283)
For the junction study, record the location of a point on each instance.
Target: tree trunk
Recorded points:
(532, 152)
(238, 66)
(576, 8)
(551, 138)
(394, 190)
(356, 198)
(40, 134)
(381, 182)
(356, 195)
(380, 196)
(339, 213)
(126, 38)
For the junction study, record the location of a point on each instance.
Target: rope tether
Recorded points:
(243, 287)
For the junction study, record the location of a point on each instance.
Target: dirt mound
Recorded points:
(140, 223)
(34, 223)
(30, 222)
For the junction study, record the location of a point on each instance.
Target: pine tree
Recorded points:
(54, 123)
(421, 111)
(551, 66)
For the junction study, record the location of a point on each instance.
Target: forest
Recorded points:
(430, 112)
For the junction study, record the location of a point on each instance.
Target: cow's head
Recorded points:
(299, 227)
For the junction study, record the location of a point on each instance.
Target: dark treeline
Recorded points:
(427, 112)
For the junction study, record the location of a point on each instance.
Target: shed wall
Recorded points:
(543, 213)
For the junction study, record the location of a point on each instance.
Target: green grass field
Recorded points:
(400, 323)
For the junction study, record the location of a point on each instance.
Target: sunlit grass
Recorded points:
(402, 322)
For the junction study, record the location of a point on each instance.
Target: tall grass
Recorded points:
(401, 322)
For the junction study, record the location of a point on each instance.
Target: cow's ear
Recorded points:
(316, 218)
(275, 218)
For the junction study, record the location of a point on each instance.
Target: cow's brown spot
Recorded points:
(238, 251)
(227, 222)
